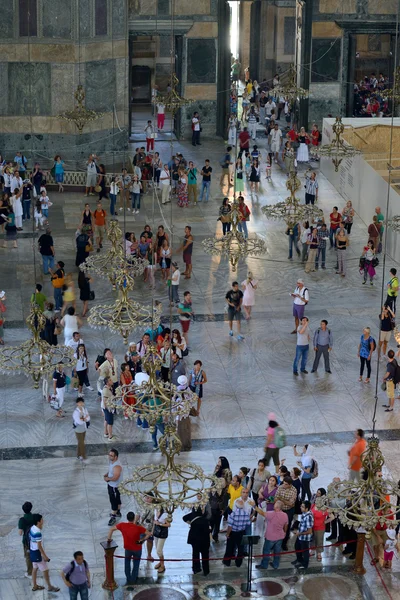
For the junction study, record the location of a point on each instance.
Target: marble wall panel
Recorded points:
(164, 46)
(100, 85)
(29, 88)
(289, 35)
(326, 60)
(84, 18)
(3, 88)
(56, 18)
(7, 19)
(118, 17)
(163, 8)
(200, 7)
(122, 89)
(201, 60)
(64, 85)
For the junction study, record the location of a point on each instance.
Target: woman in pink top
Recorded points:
(271, 451)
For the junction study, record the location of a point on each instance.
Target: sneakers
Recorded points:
(27, 575)
(119, 514)
(240, 337)
(112, 439)
(112, 521)
(155, 448)
(89, 387)
(231, 333)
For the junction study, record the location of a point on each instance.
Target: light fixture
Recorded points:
(338, 149)
(172, 101)
(289, 89)
(234, 245)
(394, 225)
(80, 115)
(34, 358)
(109, 264)
(124, 315)
(394, 92)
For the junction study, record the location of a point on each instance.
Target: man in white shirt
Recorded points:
(301, 298)
(174, 287)
(91, 177)
(268, 108)
(75, 341)
(196, 129)
(276, 137)
(302, 347)
(38, 556)
(165, 178)
(16, 182)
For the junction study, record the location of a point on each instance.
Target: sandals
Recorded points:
(374, 561)
(37, 588)
(360, 379)
(161, 571)
(54, 589)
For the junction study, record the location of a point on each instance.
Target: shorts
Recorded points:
(390, 387)
(91, 179)
(298, 310)
(385, 336)
(272, 453)
(187, 259)
(234, 315)
(59, 177)
(108, 416)
(388, 555)
(185, 324)
(99, 231)
(225, 171)
(37, 561)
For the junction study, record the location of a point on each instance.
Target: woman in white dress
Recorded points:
(17, 207)
(232, 130)
(249, 286)
(302, 152)
(71, 323)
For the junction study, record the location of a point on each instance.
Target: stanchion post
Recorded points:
(250, 540)
(359, 563)
(109, 551)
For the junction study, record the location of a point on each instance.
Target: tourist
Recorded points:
(244, 142)
(70, 322)
(173, 284)
(59, 383)
(187, 251)
(366, 347)
(302, 152)
(199, 539)
(146, 519)
(232, 130)
(222, 469)
(312, 243)
(249, 286)
(26, 201)
(387, 325)
(238, 520)
(293, 232)
(316, 136)
(288, 157)
(24, 525)
(322, 343)
(368, 255)
(255, 176)
(82, 369)
(91, 177)
(304, 536)
(69, 294)
(267, 492)
(342, 242)
(85, 294)
(76, 576)
(185, 311)
(355, 454)
(234, 299)
(162, 523)
(38, 556)
(184, 426)
(16, 204)
(113, 478)
(311, 187)
(287, 494)
(335, 220)
(59, 172)
(149, 132)
(307, 464)
(99, 217)
(323, 237)
(165, 259)
(196, 129)
(206, 181)
(392, 290)
(225, 211)
(391, 378)
(81, 421)
(258, 477)
(219, 504)
(178, 368)
(192, 182)
(239, 176)
(134, 536)
(303, 239)
(348, 214)
(275, 141)
(271, 450)
(38, 298)
(277, 525)
(109, 368)
(197, 378)
(226, 162)
(321, 518)
(381, 219)
(301, 298)
(243, 217)
(11, 229)
(302, 347)
(374, 232)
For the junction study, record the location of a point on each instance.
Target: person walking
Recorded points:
(368, 255)
(243, 217)
(113, 478)
(374, 232)
(277, 525)
(46, 249)
(238, 520)
(249, 286)
(275, 141)
(312, 243)
(302, 347)
(335, 220)
(387, 325)
(76, 576)
(81, 421)
(24, 525)
(38, 556)
(206, 181)
(234, 299)
(392, 287)
(57, 280)
(355, 453)
(301, 299)
(294, 234)
(366, 347)
(304, 536)
(134, 536)
(322, 342)
(323, 237)
(162, 523)
(199, 539)
(225, 216)
(311, 187)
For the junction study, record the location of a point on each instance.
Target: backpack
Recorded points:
(279, 437)
(81, 240)
(371, 344)
(26, 538)
(68, 575)
(314, 469)
(223, 161)
(396, 377)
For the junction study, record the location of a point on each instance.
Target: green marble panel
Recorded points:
(29, 89)
(101, 84)
(57, 18)
(7, 19)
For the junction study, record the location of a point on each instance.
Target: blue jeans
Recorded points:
(301, 352)
(205, 186)
(58, 298)
(293, 239)
(26, 209)
(321, 252)
(132, 572)
(45, 212)
(81, 589)
(113, 200)
(135, 200)
(173, 293)
(48, 262)
(159, 427)
(332, 238)
(242, 227)
(271, 548)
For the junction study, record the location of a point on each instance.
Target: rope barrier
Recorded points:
(379, 573)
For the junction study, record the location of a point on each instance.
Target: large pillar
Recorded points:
(255, 38)
(305, 59)
(224, 67)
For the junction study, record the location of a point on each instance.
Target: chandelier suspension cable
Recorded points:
(31, 212)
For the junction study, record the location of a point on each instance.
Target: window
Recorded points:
(28, 18)
(101, 17)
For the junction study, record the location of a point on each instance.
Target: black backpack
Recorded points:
(81, 240)
(68, 575)
(396, 377)
(26, 538)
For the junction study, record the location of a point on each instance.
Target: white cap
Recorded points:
(2, 295)
(391, 533)
(141, 378)
(182, 380)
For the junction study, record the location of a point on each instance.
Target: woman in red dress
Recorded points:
(126, 379)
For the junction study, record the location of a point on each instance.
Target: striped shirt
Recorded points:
(306, 522)
(322, 234)
(252, 118)
(239, 519)
(311, 185)
(35, 536)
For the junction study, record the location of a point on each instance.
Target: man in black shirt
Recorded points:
(234, 299)
(26, 200)
(206, 183)
(46, 249)
(391, 378)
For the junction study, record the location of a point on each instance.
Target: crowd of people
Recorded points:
(371, 97)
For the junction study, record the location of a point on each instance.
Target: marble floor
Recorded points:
(247, 380)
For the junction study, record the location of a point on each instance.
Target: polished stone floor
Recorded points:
(247, 380)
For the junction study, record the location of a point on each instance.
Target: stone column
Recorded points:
(350, 75)
(109, 551)
(359, 562)
(224, 68)
(255, 38)
(305, 59)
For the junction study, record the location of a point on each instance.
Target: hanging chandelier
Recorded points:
(108, 265)
(80, 115)
(290, 89)
(291, 211)
(153, 400)
(394, 224)
(367, 502)
(124, 315)
(338, 149)
(234, 245)
(172, 101)
(394, 92)
(35, 358)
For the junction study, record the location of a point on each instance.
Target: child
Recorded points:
(390, 547)
(269, 166)
(45, 203)
(256, 154)
(38, 216)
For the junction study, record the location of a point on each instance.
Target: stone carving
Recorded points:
(362, 9)
(29, 88)
(57, 18)
(118, 17)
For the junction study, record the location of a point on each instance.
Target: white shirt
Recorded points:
(302, 338)
(276, 135)
(304, 235)
(45, 202)
(73, 344)
(268, 107)
(165, 177)
(247, 507)
(196, 123)
(176, 276)
(81, 363)
(16, 182)
(80, 426)
(304, 295)
(35, 532)
(16, 205)
(160, 109)
(114, 189)
(91, 167)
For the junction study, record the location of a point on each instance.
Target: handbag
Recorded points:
(375, 261)
(160, 532)
(88, 248)
(383, 386)
(92, 295)
(57, 330)
(97, 188)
